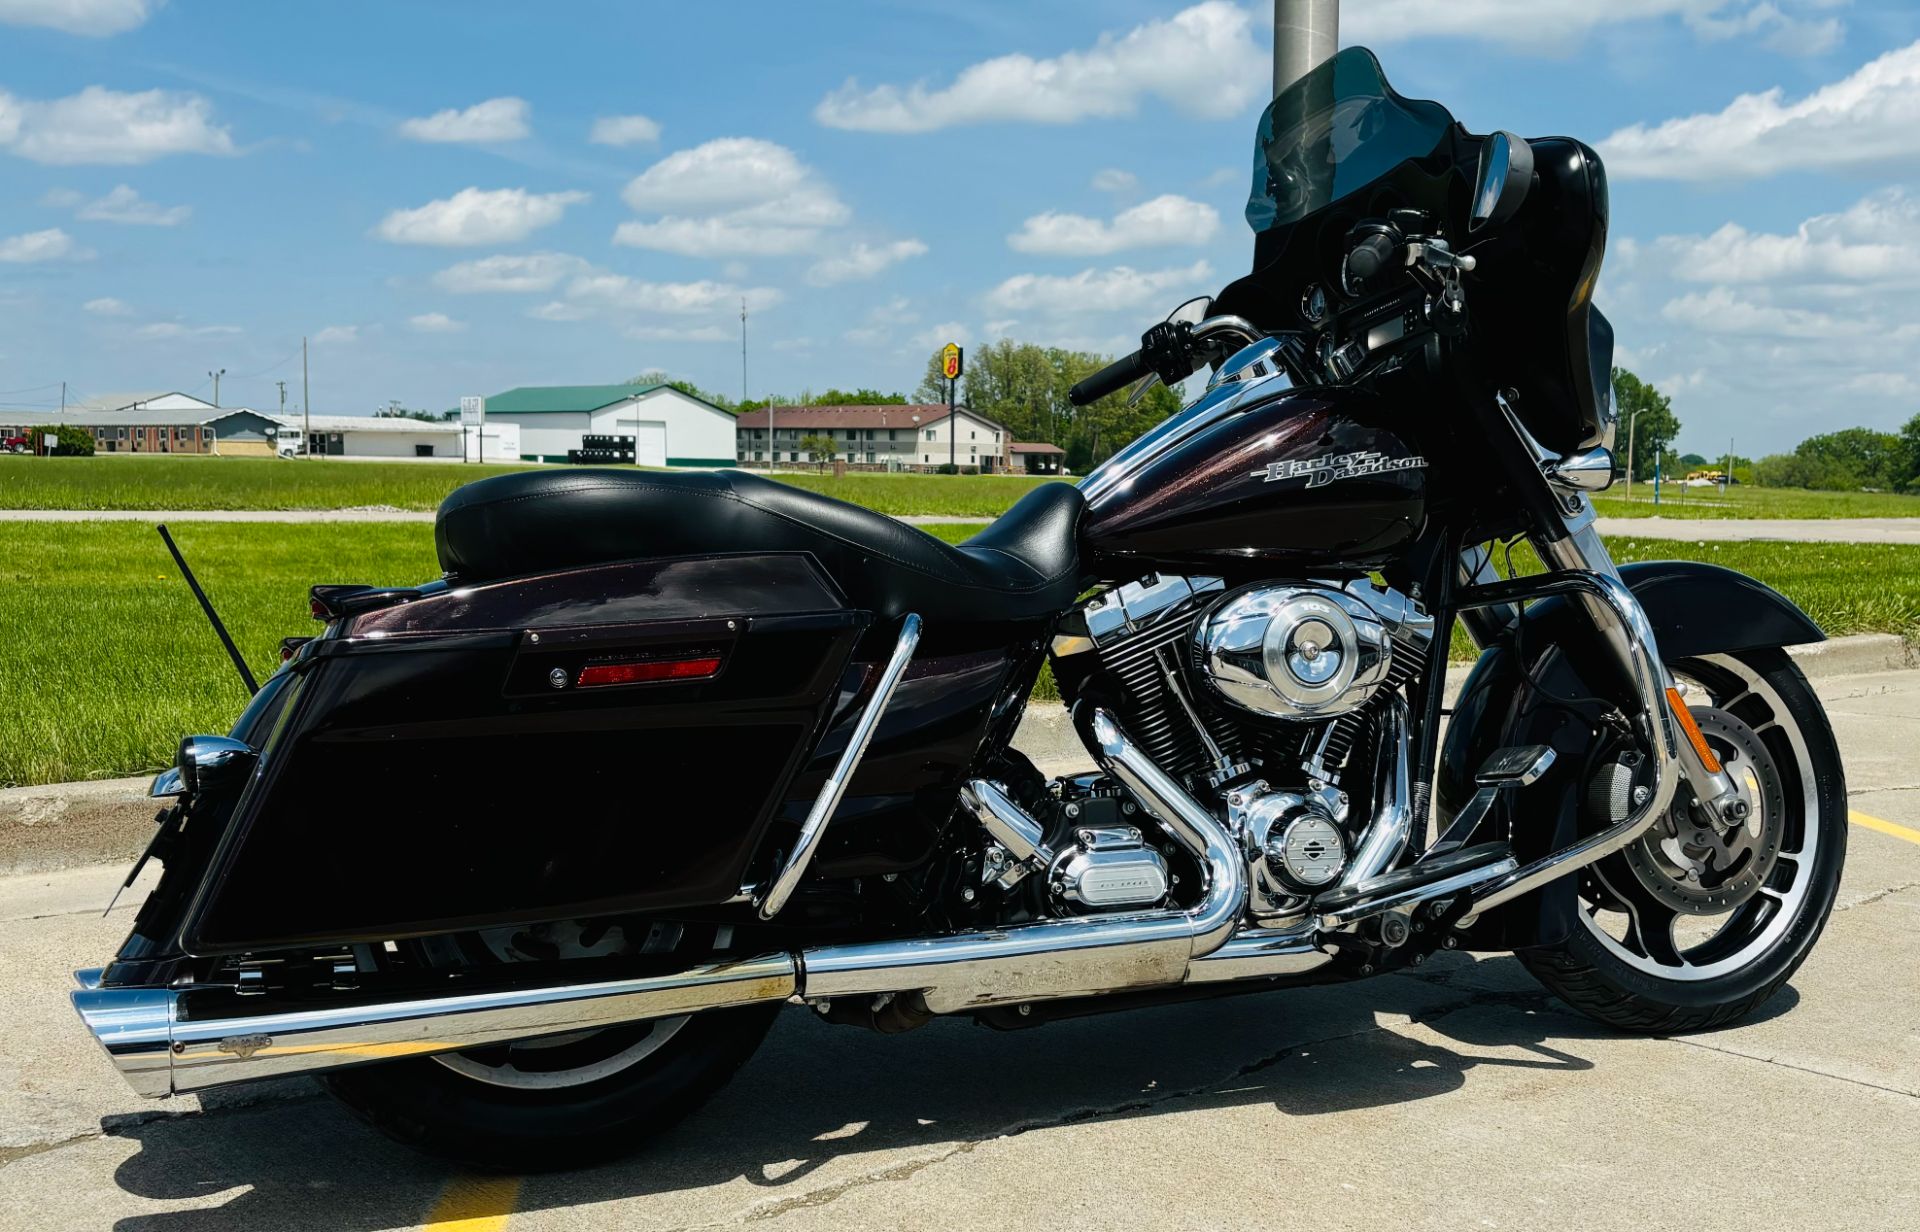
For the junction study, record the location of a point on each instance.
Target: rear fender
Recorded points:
(1545, 682)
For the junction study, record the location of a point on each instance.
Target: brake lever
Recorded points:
(1141, 387)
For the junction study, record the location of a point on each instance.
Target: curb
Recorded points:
(61, 825)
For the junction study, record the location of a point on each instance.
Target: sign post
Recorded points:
(951, 360)
(473, 413)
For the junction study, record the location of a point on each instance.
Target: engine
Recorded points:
(1268, 697)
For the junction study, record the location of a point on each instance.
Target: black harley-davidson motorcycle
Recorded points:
(524, 861)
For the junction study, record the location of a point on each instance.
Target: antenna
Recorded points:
(233, 652)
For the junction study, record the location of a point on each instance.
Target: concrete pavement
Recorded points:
(1462, 1097)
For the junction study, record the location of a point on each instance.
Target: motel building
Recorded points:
(918, 437)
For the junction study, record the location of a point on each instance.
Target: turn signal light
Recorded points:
(648, 670)
(1692, 731)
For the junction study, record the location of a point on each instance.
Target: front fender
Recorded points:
(1542, 682)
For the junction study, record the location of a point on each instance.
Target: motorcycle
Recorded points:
(523, 862)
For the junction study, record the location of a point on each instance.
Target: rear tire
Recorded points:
(1669, 971)
(432, 1107)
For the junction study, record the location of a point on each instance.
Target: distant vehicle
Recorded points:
(16, 444)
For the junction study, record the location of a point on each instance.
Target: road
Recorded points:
(1796, 530)
(1462, 1097)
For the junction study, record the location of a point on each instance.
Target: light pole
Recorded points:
(216, 386)
(1633, 421)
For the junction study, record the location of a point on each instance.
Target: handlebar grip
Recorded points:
(1369, 257)
(1117, 375)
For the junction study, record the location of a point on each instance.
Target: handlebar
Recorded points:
(1130, 368)
(1367, 258)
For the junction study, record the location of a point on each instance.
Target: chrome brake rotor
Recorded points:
(1698, 867)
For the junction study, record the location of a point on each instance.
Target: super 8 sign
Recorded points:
(950, 361)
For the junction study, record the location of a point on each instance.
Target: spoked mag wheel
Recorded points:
(1698, 923)
(559, 1101)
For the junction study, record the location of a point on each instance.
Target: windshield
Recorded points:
(1333, 132)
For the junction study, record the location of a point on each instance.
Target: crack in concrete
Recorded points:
(1876, 896)
(1863, 791)
(901, 1171)
(117, 1124)
(1799, 1069)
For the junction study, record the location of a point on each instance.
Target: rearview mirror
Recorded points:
(1506, 173)
(1192, 312)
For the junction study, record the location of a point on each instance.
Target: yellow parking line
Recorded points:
(1885, 827)
(475, 1204)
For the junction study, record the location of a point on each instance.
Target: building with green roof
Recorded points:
(668, 427)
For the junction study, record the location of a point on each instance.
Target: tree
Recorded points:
(1844, 461)
(830, 397)
(1653, 431)
(654, 376)
(818, 446)
(1910, 455)
(74, 442)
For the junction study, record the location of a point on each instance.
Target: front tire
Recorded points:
(1691, 929)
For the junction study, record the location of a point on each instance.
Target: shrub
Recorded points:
(74, 442)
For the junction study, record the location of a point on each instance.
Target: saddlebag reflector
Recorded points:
(648, 671)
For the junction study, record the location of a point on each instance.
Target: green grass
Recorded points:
(1748, 502)
(108, 662)
(161, 483)
(107, 659)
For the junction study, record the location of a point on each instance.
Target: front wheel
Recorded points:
(1694, 926)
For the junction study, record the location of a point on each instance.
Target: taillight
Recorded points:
(648, 670)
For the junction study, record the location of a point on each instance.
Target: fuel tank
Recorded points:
(1259, 472)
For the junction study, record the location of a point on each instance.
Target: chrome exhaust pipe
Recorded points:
(162, 1045)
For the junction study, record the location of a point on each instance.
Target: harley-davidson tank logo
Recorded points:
(244, 1046)
(1318, 472)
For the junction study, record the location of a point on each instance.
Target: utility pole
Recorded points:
(306, 405)
(1726, 476)
(63, 401)
(283, 398)
(1305, 34)
(216, 386)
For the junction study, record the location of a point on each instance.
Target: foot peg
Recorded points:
(1518, 766)
(1436, 876)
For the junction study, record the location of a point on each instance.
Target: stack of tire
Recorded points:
(602, 451)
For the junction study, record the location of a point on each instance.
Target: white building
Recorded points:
(669, 428)
(911, 436)
(365, 436)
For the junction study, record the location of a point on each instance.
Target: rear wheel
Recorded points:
(1696, 924)
(560, 1101)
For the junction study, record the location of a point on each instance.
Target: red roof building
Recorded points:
(910, 436)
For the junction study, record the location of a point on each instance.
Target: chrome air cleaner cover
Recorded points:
(1300, 651)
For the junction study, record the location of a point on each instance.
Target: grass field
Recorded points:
(259, 483)
(1678, 502)
(248, 483)
(108, 662)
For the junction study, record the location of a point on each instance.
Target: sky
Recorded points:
(449, 199)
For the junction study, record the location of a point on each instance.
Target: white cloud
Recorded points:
(92, 18)
(1097, 290)
(1866, 121)
(943, 333)
(1562, 26)
(52, 244)
(124, 205)
(497, 119)
(732, 196)
(106, 306)
(1114, 180)
(1721, 310)
(1877, 240)
(105, 126)
(341, 334)
(625, 130)
(1162, 222)
(1884, 384)
(560, 310)
(694, 333)
(510, 272)
(436, 323)
(715, 237)
(173, 329)
(1203, 60)
(618, 292)
(477, 216)
(861, 261)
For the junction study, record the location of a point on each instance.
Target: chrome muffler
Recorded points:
(161, 1048)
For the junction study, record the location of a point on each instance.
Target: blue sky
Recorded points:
(458, 198)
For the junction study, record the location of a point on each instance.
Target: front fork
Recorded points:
(1582, 549)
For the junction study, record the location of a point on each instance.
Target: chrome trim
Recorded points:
(1392, 824)
(815, 827)
(1367, 906)
(1262, 954)
(1627, 631)
(167, 784)
(1053, 959)
(1583, 470)
(1010, 825)
(202, 757)
(160, 1053)
(1228, 393)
